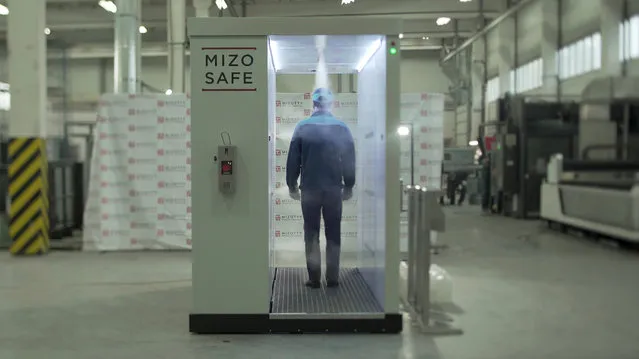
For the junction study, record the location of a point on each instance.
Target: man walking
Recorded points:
(322, 151)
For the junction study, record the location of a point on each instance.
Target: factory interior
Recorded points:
(159, 197)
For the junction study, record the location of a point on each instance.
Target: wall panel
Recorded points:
(492, 56)
(529, 22)
(580, 18)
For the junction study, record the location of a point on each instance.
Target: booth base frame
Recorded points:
(265, 324)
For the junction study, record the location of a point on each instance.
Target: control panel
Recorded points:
(226, 168)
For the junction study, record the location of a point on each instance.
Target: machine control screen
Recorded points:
(226, 168)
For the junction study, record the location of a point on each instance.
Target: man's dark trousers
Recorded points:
(318, 203)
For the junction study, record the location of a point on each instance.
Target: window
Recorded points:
(580, 57)
(626, 40)
(528, 76)
(492, 89)
(588, 60)
(629, 39)
(622, 42)
(563, 63)
(633, 37)
(596, 51)
(572, 57)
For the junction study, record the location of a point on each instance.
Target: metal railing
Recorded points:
(425, 215)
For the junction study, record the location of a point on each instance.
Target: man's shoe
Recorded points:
(332, 284)
(313, 284)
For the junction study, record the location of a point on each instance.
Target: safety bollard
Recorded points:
(424, 215)
(412, 240)
(424, 255)
(419, 253)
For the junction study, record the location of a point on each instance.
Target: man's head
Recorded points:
(322, 99)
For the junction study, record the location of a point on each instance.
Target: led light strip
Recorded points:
(370, 51)
(275, 56)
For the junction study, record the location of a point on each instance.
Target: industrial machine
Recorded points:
(528, 133)
(462, 160)
(599, 192)
(239, 284)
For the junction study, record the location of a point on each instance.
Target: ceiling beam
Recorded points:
(408, 9)
(416, 27)
(104, 51)
(416, 8)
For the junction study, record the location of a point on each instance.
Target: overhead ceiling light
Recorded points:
(441, 21)
(221, 4)
(169, 92)
(473, 143)
(401, 36)
(108, 5)
(346, 2)
(47, 31)
(465, 0)
(423, 37)
(403, 131)
(142, 29)
(4, 10)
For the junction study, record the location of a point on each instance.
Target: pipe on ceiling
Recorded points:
(493, 24)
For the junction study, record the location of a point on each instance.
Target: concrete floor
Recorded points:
(520, 291)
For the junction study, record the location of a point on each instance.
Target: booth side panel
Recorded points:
(229, 88)
(271, 160)
(371, 182)
(393, 103)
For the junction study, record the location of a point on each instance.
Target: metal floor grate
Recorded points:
(352, 296)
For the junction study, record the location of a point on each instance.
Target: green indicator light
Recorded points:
(393, 51)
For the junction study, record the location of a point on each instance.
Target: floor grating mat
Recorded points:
(352, 296)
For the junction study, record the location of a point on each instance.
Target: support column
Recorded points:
(507, 55)
(612, 14)
(127, 59)
(550, 43)
(478, 87)
(28, 185)
(176, 10)
(202, 7)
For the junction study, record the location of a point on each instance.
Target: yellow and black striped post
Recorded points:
(28, 192)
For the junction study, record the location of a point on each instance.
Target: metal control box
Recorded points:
(226, 168)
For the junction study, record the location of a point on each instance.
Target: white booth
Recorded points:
(239, 284)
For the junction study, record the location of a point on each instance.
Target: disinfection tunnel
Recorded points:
(259, 157)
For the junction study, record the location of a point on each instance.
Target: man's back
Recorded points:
(322, 150)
